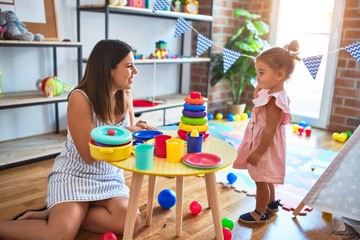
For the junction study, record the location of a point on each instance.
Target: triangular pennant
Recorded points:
(230, 57)
(203, 43)
(312, 64)
(354, 50)
(160, 5)
(181, 26)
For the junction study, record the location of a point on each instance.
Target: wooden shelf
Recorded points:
(16, 43)
(168, 61)
(28, 98)
(29, 149)
(145, 12)
(175, 100)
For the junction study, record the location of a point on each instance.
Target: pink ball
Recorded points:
(108, 236)
(195, 207)
(227, 233)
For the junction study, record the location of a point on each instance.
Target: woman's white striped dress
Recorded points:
(72, 180)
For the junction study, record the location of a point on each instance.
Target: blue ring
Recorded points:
(194, 107)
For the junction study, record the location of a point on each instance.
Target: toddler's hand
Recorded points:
(254, 158)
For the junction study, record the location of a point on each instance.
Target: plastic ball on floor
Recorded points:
(210, 116)
(342, 137)
(231, 117)
(219, 116)
(227, 233)
(295, 128)
(231, 177)
(302, 123)
(308, 131)
(335, 136)
(108, 236)
(237, 117)
(227, 223)
(167, 198)
(195, 207)
(244, 116)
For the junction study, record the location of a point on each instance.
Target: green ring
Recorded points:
(193, 121)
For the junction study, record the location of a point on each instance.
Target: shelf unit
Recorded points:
(18, 151)
(177, 100)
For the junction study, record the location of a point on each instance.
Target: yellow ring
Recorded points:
(193, 101)
(189, 128)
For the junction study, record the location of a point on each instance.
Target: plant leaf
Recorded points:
(262, 27)
(240, 12)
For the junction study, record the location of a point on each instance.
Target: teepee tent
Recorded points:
(337, 191)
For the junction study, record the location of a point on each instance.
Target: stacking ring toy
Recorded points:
(182, 134)
(193, 114)
(189, 128)
(193, 121)
(111, 135)
(195, 101)
(194, 107)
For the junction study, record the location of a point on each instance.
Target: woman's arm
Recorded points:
(140, 125)
(80, 122)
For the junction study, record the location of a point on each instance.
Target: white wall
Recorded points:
(23, 66)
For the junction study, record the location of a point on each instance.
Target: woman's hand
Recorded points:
(144, 125)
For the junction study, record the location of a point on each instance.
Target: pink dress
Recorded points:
(271, 167)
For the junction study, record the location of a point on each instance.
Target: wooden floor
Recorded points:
(24, 187)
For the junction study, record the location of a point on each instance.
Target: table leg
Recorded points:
(179, 203)
(212, 193)
(150, 203)
(135, 191)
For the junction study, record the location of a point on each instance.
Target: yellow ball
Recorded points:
(335, 136)
(342, 137)
(237, 117)
(295, 128)
(219, 116)
(244, 116)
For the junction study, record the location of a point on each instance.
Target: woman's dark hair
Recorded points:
(281, 58)
(97, 80)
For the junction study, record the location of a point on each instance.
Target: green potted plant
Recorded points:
(247, 41)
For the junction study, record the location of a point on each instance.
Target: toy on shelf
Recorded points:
(137, 3)
(192, 6)
(52, 86)
(118, 2)
(161, 51)
(137, 55)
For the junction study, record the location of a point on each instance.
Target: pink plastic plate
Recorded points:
(204, 160)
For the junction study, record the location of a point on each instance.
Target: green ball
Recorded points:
(348, 133)
(228, 223)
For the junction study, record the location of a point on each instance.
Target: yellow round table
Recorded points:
(161, 167)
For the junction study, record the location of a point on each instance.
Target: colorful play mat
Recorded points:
(304, 164)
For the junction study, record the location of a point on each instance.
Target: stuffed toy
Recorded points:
(52, 86)
(14, 29)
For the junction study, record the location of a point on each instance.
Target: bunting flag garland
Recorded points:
(354, 50)
(312, 64)
(182, 26)
(203, 43)
(161, 4)
(230, 57)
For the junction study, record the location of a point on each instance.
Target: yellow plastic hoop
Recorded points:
(189, 128)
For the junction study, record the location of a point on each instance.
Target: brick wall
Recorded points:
(345, 109)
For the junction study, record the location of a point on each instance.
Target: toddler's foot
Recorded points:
(254, 217)
(33, 214)
(273, 207)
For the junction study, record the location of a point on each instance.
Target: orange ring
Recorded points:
(193, 101)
